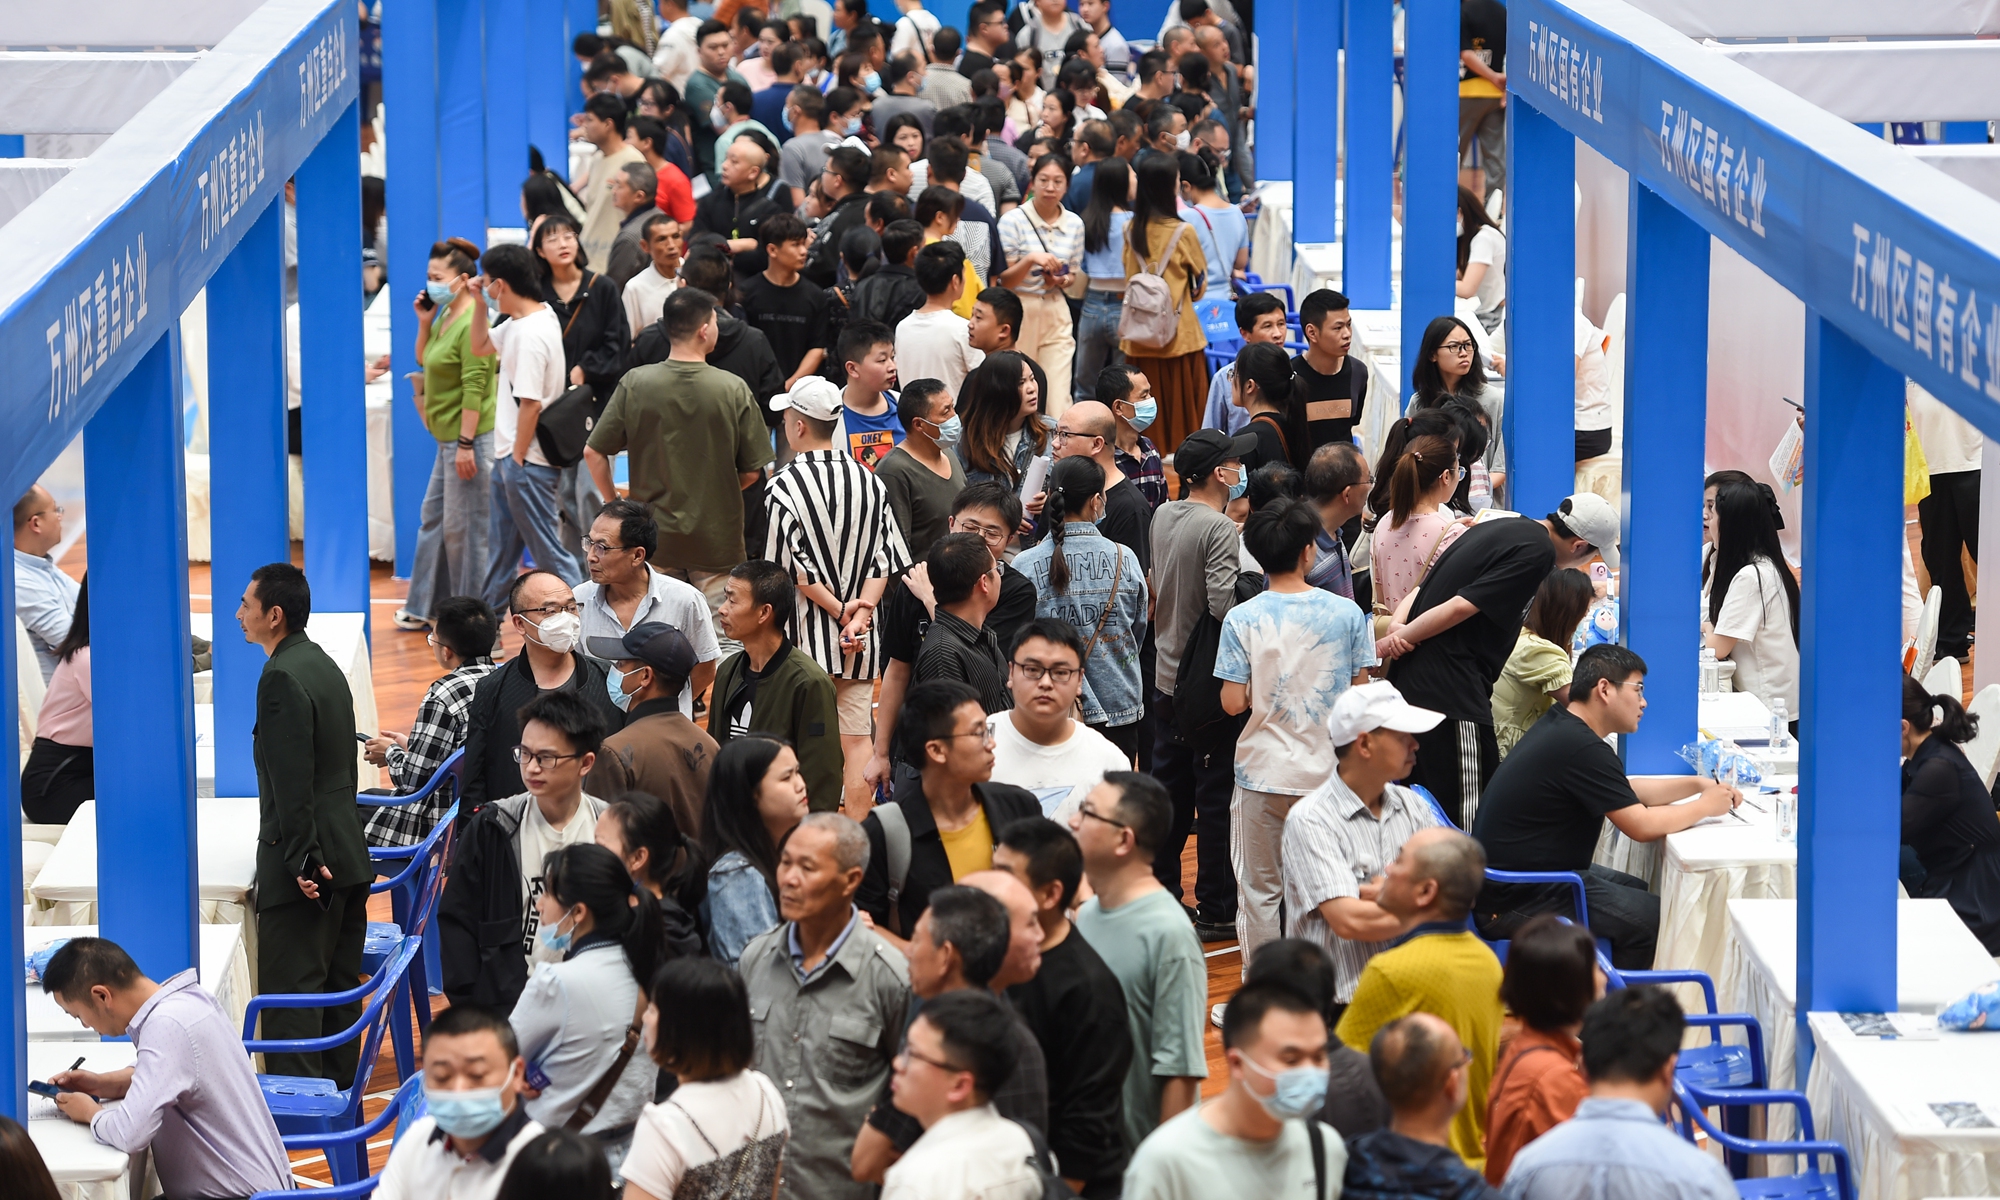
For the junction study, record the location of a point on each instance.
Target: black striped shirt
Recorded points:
(830, 523)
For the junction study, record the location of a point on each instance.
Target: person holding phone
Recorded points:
(1043, 242)
(192, 1097)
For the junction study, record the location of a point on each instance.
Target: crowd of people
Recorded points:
(828, 832)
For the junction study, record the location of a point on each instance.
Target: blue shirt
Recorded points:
(1614, 1150)
(767, 107)
(45, 600)
(869, 439)
(738, 906)
(1222, 412)
(1112, 685)
(1296, 651)
(1222, 232)
(1079, 188)
(1109, 263)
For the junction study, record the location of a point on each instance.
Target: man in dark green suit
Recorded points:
(313, 869)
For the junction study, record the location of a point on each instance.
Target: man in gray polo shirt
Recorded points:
(829, 998)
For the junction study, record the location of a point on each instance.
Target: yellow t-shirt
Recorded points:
(972, 289)
(969, 849)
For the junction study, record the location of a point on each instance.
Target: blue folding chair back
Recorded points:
(311, 1105)
(415, 892)
(347, 1151)
(1437, 810)
(1811, 1183)
(1718, 1066)
(1291, 305)
(1218, 320)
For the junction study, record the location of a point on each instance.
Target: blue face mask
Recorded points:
(614, 683)
(1143, 414)
(1241, 485)
(871, 82)
(1300, 1090)
(852, 127)
(558, 943)
(468, 1114)
(786, 117)
(948, 432)
(440, 293)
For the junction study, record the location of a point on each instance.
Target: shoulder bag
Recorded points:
(1151, 317)
(601, 1090)
(564, 425)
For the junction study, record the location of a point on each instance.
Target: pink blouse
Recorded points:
(65, 717)
(1400, 555)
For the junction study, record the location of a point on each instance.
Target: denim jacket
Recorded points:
(739, 906)
(1112, 692)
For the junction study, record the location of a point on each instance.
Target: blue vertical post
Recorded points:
(507, 47)
(335, 417)
(13, 939)
(1541, 304)
(13, 145)
(462, 116)
(248, 521)
(1666, 414)
(1430, 169)
(546, 75)
(135, 487)
(409, 105)
(1316, 123)
(1850, 693)
(581, 17)
(1365, 272)
(1277, 68)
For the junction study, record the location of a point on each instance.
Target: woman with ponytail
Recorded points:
(1749, 599)
(1263, 388)
(1417, 527)
(1948, 814)
(1098, 587)
(577, 1019)
(640, 829)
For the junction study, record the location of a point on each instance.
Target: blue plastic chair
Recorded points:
(312, 1105)
(1437, 809)
(1717, 1066)
(347, 1151)
(1580, 916)
(1811, 1184)
(451, 772)
(1291, 305)
(1218, 320)
(416, 891)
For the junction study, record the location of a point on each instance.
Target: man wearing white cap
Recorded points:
(1339, 839)
(1463, 624)
(831, 527)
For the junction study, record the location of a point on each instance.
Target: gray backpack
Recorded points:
(896, 840)
(1151, 317)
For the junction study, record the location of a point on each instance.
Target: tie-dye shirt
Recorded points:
(1297, 651)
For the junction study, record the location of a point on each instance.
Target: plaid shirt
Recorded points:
(1146, 471)
(440, 729)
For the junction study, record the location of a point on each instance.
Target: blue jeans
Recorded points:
(451, 529)
(1097, 340)
(525, 517)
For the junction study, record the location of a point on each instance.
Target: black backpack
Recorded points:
(565, 425)
(1199, 718)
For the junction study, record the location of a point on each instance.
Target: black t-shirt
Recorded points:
(1497, 565)
(792, 318)
(1482, 27)
(1333, 402)
(739, 704)
(1545, 806)
(1271, 445)
(1128, 520)
(1076, 1009)
(903, 620)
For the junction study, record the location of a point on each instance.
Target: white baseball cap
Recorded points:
(1592, 518)
(813, 397)
(1373, 706)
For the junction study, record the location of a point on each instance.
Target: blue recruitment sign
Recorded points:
(95, 271)
(1902, 258)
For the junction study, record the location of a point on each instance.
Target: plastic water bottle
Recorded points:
(1781, 732)
(1711, 674)
(1788, 815)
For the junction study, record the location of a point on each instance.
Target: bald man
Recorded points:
(1087, 429)
(1422, 1068)
(1024, 926)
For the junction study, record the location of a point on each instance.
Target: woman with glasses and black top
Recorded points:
(1448, 368)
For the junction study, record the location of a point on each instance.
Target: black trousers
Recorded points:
(1621, 910)
(1200, 781)
(1949, 517)
(1125, 737)
(1454, 761)
(302, 948)
(56, 781)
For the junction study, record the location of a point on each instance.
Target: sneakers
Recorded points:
(1210, 931)
(409, 621)
(1215, 1014)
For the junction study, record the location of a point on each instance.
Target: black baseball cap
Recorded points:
(655, 643)
(1206, 449)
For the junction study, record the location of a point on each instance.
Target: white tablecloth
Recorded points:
(224, 970)
(1271, 234)
(1875, 1097)
(84, 1168)
(1937, 961)
(1740, 716)
(1704, 868)
(344, 637)
(226, 839)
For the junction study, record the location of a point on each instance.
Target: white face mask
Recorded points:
(1460, 231)
(559, 632)
(1181, 140)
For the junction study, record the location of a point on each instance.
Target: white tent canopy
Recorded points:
(1977, 166)
(1826, 18)
(52, 25)
(1874, 82)
(73, 91)
(23, 179)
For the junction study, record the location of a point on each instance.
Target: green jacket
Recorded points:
(456, 379)
(795, 702)
(306, 774)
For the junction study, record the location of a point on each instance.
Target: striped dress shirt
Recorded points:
(830, 523)
(1333, 845)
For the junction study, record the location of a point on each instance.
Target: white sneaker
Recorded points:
(407, 620)
(1215, 1014)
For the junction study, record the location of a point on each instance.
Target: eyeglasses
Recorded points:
(550, 610)
(597, 549)
(909, 1055)
(1460, 347)
(1063, 435)
(1085, 810)
(1060, 676)
(58, 510)
(985, 737)
(544, 760)
(992, 535)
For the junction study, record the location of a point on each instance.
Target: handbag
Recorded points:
(563, 428)
(601, 1090)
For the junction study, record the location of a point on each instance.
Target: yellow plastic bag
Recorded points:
(1916, 468)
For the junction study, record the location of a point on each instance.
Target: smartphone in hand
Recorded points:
(44, 1089)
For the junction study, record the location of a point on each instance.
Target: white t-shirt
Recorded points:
(1593, 381)
(1489, 246)
(1061, 775)
(728, 1113)
(914, 31)
(531, 366)
(644, 294)
(1757, 613)
(934, 345)
(537, 839)
(1950, 442)
(973, 187)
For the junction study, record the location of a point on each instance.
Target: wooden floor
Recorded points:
(404, 668)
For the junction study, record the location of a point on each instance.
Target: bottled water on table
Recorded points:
(1711, 673)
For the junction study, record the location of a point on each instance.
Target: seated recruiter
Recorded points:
(1548, 802)
(1948, 821)
(473, 1078)
(191, 1098)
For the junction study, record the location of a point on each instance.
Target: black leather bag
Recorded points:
(565, 424)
